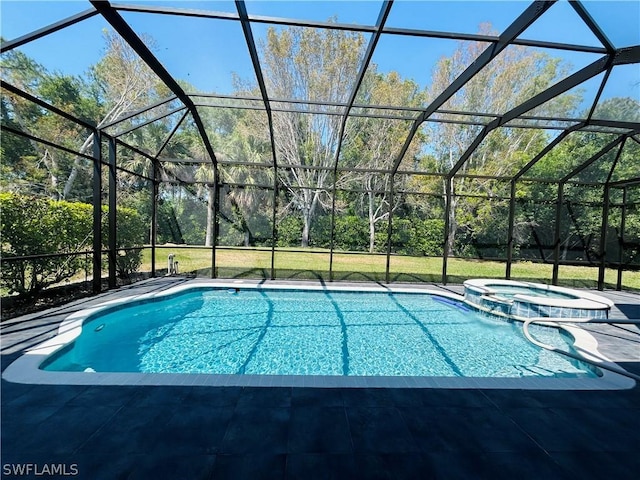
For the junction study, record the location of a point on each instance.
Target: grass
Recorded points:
(314, 264)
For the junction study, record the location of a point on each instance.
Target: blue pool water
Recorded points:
(284, 332)
(510, 291)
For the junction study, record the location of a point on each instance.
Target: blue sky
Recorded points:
(205, 53)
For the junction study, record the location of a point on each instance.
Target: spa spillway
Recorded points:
(525, 300)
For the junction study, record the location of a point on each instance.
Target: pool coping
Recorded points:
(26, 369)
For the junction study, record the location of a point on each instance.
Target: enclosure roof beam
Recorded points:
(492, 39)
(592, 24)
(257, 68)
(320, 112)
(629, 126)
(44, 31)
(140, 111)
(568, 83)
(410, 119)
(131, 147)
(559, 46)
(188, 160)
(603, 83)
(41, 103)
(364, 65)
(559, 88)
(255, 60)
(357, 105)
(621, 57)
(632, 126)
(123, 28)
(21, 133)
(167, 10)
(615, 161)
(182, 12)
(550, 146)
(593, 159)
(627, 55)
(618, 184)
(150, 121)
(626, 183)
(171, 134)
(530, 15)
(608, 123)
(593, 122)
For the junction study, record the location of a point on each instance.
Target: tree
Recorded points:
(236, 140)
(312, 65)
(515, 75)
(121, 82)
(118, 83)
(17, 156)
(581, 212)
(375, 143)
(49, 166)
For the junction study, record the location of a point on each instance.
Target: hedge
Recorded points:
(32, 226)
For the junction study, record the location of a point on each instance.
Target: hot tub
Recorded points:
(525, 300)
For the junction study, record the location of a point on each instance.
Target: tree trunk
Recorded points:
(52, 167)
(88, 143)
(307, 216)
(372, 223)
(306, 228)
(115, 112)
(372, 236)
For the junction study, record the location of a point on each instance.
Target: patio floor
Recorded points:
(189, 432)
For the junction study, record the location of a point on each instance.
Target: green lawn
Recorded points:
(313, 264)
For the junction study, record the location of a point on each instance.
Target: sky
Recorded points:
(206, 53)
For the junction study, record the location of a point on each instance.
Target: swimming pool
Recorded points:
(210, 334)
(303, 332)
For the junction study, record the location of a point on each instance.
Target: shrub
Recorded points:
(320, 231)
(351, 233)
(414, 236)
(32, 226)
(132, 231)
(36, 226)
(428, 237)
(289, 232)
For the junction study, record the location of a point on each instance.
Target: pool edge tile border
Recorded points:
(25, 369)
